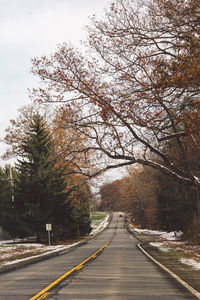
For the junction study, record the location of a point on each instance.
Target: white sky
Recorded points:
(32, 28)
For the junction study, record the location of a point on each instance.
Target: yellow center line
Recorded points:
(44, 293)
(43, 296)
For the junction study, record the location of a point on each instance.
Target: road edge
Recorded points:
(172, 274)
(20, 265)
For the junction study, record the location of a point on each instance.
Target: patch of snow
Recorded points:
(148, 231)
(170, 236)
(9, 248)
(15, 241)
(161, 246)
(191, 262)
(171, 243)
(102, 225)
(47, 249)
(3, 242)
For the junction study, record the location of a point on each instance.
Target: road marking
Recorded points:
(182, 282)
(43, 296)
(46, 291)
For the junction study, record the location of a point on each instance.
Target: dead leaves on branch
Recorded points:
(135, 85)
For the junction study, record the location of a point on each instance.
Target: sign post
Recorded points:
(48, 229)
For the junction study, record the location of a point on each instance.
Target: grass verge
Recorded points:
(97, 217)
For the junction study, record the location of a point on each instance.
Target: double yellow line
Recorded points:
(46, 291)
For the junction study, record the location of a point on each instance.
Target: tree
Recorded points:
(141, 198)
(80, 203)
(63, 140)
(7, 216)
(177, 204)
(111, 198)
(134, 194)
(18, 128)
(129, 100)
(77, 187)
(39, 193)
(66, 141)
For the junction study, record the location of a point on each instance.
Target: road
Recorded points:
(121, 271)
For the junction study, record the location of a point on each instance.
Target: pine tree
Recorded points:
(9, 220)
(5, 197)
(40, 197)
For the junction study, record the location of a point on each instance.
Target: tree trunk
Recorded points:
(197, 204)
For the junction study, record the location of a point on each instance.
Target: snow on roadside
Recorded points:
(191, 262)
(170, 236)
(9, 252)
(147, 231)
(48, 250)
(183, 249)
(3, 242)
(9, 249)
(169, 242)
(161, 246)
(100, 226)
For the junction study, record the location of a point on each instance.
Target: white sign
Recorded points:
(48, 227)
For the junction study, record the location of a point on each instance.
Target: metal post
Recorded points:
(48, 229)
(49, 237)
(12, 185)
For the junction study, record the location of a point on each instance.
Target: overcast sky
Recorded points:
(32, 28)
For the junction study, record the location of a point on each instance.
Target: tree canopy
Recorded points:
(44, 192)
(7, 214)
(135, 89)
(39, 191)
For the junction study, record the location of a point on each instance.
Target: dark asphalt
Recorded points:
(120, 272)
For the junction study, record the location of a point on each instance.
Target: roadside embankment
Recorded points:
(16, 254)
(176, 255)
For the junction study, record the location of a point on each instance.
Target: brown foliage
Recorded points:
(136, 90)
(134, 194)
(111, 197)
(65, 141)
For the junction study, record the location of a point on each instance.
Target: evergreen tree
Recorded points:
(5, 197)
(9, 220)
(39, 195)
(43, 193)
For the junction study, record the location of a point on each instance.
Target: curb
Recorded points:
(172, 274)
(33, 260)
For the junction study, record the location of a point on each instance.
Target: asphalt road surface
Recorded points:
(120, 271)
